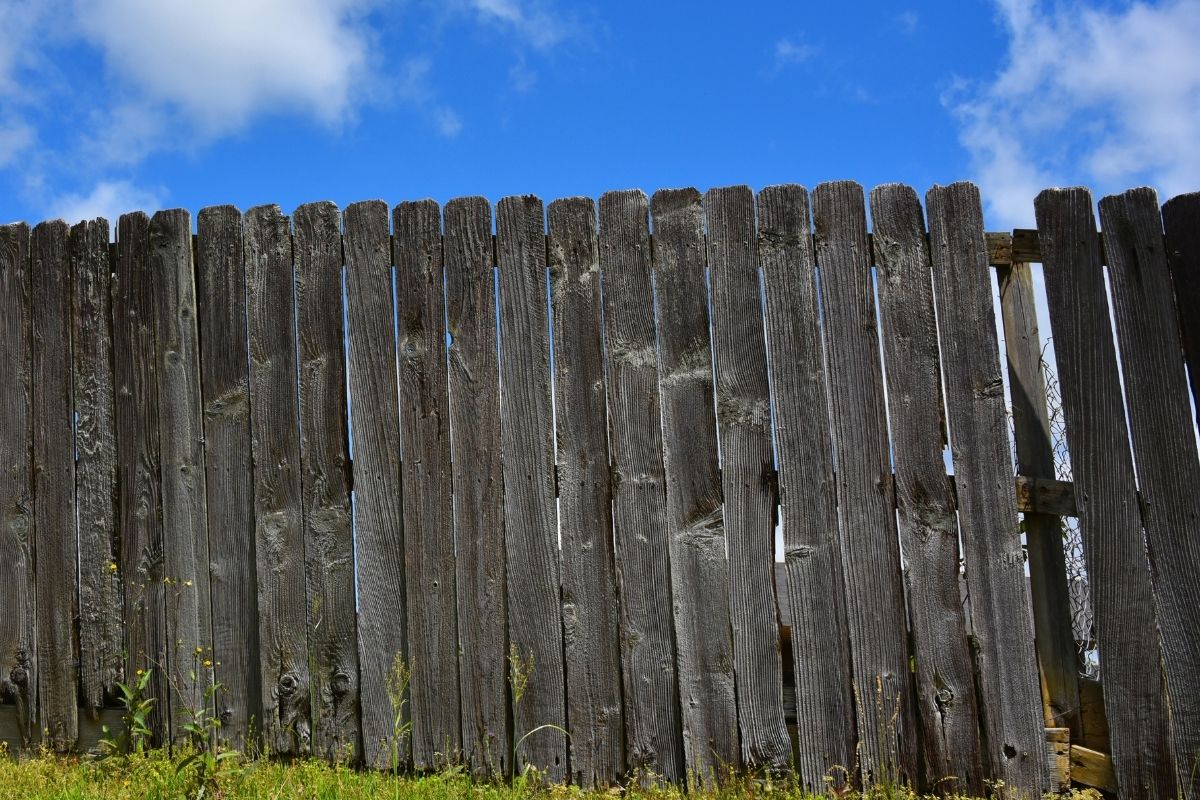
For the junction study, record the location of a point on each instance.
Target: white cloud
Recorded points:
(533, 21)
(448, 123)
(108, 199)
(908, 21)
(1109, 98)
(15, 138)
(788, 52)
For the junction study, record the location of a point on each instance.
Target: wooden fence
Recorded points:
(408, 489)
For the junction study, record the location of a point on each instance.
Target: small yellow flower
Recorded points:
(141, 672)
(208, 662)
(187, 583)
(112, 566)
(199, 650)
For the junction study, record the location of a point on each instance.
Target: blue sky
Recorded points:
(111, 105)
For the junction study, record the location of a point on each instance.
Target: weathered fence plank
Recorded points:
(1106, 494)
(18, 623)
(101, 618)
(945, 699)
(700, 579)
(54, 486)
(590, 610)
(1181, 219)
(747, 473)
(478, 480)
(816, 602)
(325, 483)
(870, 547)
(425, 471)
(534, 613)
(644, 570)
(1164, 450)
(228, 459)
(379, 536)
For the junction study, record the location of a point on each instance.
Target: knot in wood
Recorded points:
(19, 676)
(944, 697)
(289, 683)
(339, 684)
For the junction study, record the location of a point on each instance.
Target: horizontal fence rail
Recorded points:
(421, 486)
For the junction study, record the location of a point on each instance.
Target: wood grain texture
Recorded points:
(700, 577)
(591, 615)
(945, 700)
(531, 536)
(1001, 623)
(139, 485)
(325, 483)
(1058, 660)
(425, 471)
(815, 604)
(747, 473)
(642, 539)
(870, 547)
(101, 629)
(279, 543)
(1164, 450)
(375, 427)
(228, 474)
(1105, 491)
(18, 623)
(55, 543)
(478, 480)
(1181, 221)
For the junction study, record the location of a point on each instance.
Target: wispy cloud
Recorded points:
(108, 199)
(533, 21)
(789, 52)
(908, 21)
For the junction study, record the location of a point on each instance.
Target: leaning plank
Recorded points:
(700, 578)
(325, 483)
(815, 603)
(278, 517)
(643, 564)
(375, 426)
(1181, 219)
(101, 628)
(590, 612)
(18, 625)
(945, 692)
(478, 485)
(224, 379)
(534, 614)
(870, 548)
(747, 473)
(1164, 451)
(54, 486)
(139, 508)
(425, 471)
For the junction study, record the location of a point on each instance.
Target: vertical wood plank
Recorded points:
(425, 471)
(278, 516)
(101, 628)
(870, 548)
(325, 483)
(1181, 220)
(18, 623)
(945, 692)
(643, 563)
(228, 474)
(54, 486)
(816, 604)
(747, 473)
(478, 481)
(1164, 450)
(1105, 492)
(375, 427)
(534, 614)
(1001, 623)
(590, 610)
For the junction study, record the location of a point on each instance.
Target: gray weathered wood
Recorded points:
(1164, 450)
(101, 628)
(700, 578)
(54, 486)
(815, 603)
(1114, 545)
(228, 459)
(278, 514)
(870, 548)
(325, 483)
(1181, 219)
(534, 613)
(747, 473)
(375, 427)
(590, 610)
(478, 485)
(425, 471)
(18, 623)
(644, 577)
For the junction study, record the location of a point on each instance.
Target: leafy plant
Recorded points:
(135, 733)
(520, 671)
(398, 679)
